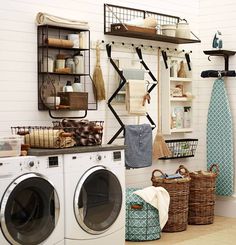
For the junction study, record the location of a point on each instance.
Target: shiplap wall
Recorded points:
(18, 66)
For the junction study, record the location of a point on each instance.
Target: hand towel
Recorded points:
(135, 92)
(138, 139)
(48, 19)
(159, 198)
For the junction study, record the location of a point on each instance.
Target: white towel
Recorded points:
(159, 198)
(135, 92)
(48, 19)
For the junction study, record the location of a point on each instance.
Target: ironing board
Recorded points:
(220, 138)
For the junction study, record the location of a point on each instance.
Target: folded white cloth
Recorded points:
(48, 19)
(159, 198)
(135, 92)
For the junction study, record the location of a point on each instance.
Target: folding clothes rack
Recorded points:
(123, 82)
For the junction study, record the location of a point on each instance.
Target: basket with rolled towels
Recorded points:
(67, 133)
(45, 137)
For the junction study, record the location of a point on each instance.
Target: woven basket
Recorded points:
(202, 196)
(178, 190)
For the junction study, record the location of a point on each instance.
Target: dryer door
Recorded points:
(97, 200)
(29, 210)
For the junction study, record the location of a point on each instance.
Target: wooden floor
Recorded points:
(221, 232)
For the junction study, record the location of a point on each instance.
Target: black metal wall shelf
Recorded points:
(156, 37)
(223, 53)
(114, 14)
(50, 82)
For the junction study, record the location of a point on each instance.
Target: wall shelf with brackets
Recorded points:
(116, 18)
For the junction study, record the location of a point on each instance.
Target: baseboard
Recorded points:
(226, 206)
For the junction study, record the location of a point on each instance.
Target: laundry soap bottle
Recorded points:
(187, 117)
(77, 86)
(173, 119)
(179, 111)
(68, 87)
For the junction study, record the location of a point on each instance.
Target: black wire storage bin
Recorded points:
(181, 148)
(68, 133)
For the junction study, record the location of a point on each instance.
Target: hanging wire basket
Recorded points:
(181, 148)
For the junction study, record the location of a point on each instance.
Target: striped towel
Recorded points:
(135, 92)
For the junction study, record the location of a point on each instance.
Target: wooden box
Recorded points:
(75, 100)
(130, 28)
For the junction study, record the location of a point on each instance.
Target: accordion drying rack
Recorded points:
(122, 83)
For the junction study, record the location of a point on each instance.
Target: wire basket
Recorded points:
(68, 133)
(119, 14)
(44, 136)
(85, 133)
(181, 148)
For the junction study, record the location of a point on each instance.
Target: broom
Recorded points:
(160, 148)
(98, 77)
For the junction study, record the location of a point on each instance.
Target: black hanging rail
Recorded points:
(122, 83)
(216, 73)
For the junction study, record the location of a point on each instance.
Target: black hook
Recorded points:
(209, 58)
(164, 58)
(187, 57)
(108, 48)
(139, 52)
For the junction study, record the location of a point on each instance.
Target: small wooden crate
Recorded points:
(75, 100)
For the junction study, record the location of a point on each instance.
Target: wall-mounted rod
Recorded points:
(144, 46)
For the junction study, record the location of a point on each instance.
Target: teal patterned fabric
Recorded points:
(220, 139)
(141, 224)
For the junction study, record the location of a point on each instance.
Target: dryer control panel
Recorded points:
(116, 155)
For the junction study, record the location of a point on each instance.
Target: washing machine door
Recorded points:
(97, 200)
(29, 210)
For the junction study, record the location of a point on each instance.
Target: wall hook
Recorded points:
(209, 58)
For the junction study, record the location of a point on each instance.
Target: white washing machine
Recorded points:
(95, 198)
(32, 203)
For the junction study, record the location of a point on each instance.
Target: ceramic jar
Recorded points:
(79, 64)
(83, 40)
(48, 64)
(75, 39)
(183, 30)
(70, 64)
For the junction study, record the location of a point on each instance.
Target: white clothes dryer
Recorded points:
(95, 198)
(32, 203)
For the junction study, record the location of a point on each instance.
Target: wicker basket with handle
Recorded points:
(202, 196)
(178, 190)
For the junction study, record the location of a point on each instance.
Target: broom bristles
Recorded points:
(160, 148)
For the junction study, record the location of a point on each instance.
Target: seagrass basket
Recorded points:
(178, 190)
(202, 196)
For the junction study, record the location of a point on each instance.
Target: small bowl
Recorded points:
(53, 101)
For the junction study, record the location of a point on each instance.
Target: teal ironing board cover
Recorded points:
(220, 139)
